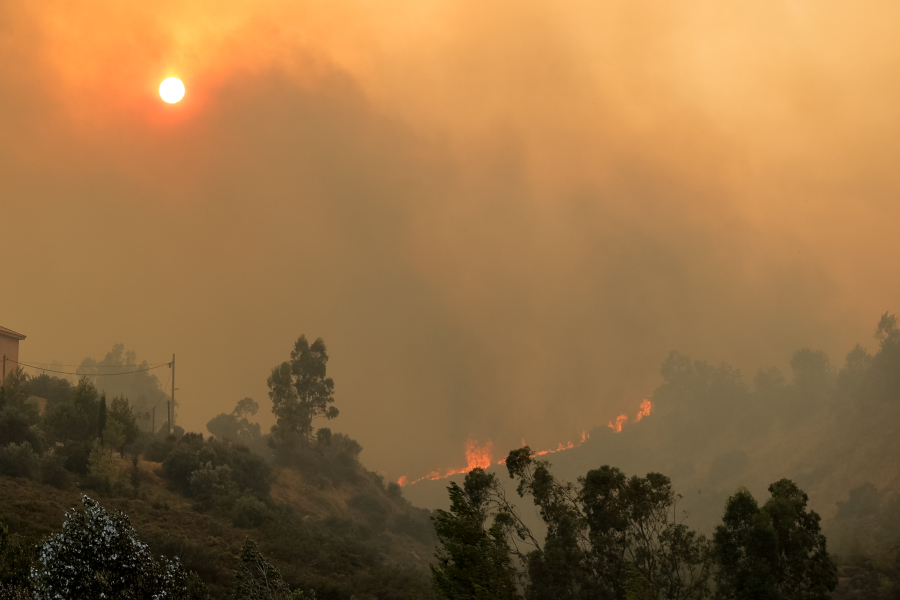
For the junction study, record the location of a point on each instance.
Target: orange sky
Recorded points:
(500, 216)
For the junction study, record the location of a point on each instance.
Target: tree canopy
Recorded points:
(301, 391)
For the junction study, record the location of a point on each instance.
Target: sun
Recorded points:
(171, 90)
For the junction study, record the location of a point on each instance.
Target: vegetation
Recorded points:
(293, 514)
(301, 392)
(329, 527)
(615, 537)
(98, 555)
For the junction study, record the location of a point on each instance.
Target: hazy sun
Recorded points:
(171, 90)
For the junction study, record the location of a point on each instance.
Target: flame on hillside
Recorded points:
(620, 420)
(479, 457)
(645, 410)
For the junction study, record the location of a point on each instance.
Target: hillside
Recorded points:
(343, 540)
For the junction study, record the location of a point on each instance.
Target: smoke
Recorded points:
(499, 217)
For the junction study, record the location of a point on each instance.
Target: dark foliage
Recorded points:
(775, 552)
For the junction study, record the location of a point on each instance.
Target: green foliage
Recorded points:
(120, 412)
(301, 392)
(98, 555)
(609, 536)
(249, 512)
(54, 389)
(777, 551)
(18, 460)
(256, 578)
(335, 460)
(53, 471)
(249, 472)
(77, 419)
(474, 561)
(17, 425)
(235, 426)
(14, 391)
(114, 436)
(101, 416)
(16, 558)
(209, 481)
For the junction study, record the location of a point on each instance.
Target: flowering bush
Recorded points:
(98, 555)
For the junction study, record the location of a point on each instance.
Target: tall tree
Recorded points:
(474, 562)
(775, 552)
(301, 391)
(101, 416)
(257, 579)
(610, 535)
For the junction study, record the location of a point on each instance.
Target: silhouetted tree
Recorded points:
(301, 391)
(474, 560)
(775, 552)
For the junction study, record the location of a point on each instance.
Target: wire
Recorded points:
(56, 364)
(21, 364)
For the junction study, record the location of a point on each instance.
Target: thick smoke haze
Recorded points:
(500, 218)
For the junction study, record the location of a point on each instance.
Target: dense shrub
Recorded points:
(53, 471)
(75, 457)
(98, 555)
(334, 456)
(157, 450)
(16, 427)
(249, 512)
(373, 508)
(208, 481)
(18, 460)
(248, 472)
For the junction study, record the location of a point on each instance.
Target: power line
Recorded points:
(56, 364)
(21, 364)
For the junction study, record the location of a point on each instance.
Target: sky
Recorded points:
(500, 216)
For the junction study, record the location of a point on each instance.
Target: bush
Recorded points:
(16, 427)
(18, 460)
(53, 471)
(249, 472)
(208, 482)
(373, 509)
(158, 450)
(178, 467)
(249, 512)
(75, 457)
(98, 555)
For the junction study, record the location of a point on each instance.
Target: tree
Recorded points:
(609, 536)
(101, 416)
(120, 411)
(474, 562)
(236, 426)
(257, 579)
(77, 419)
(114, 436)
(301, 392)
(98, 555)
(775, 552)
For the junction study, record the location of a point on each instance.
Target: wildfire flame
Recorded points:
(620, 420)
(645, 410)
(479, 457)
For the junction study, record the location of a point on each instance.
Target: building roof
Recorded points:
(11, 333)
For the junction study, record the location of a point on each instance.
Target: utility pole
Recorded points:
(173, 391)
(153, 422)
(4, 369)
